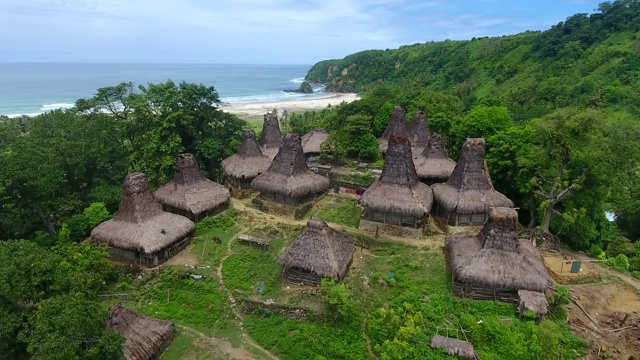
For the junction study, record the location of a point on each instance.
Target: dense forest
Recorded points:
(559, 110)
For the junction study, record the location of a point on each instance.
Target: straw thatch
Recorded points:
(469, 189)
(496, 257)
(320, 250)
(190, 191)
(454, 347)
(398, 189)
(145, 337)
(397, 127)
(249, 161)
(140, 223)
(532, 301)
(419, 131)
(433, 163)
(288, 174)
(312, 140)
(271, 137)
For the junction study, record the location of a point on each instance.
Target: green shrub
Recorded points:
(619, 263)
(634, 264)
(596, 251)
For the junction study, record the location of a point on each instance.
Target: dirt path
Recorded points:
(220, 348)
(245, 336)
(436, 241)
(630, 280)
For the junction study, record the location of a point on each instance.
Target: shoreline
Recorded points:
(260, 108)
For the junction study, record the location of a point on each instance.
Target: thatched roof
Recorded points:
(145, 337)
(271, 137)
(532, 301)
(312, 140)
(398, 189)
(469, 189)
(454, 347)
(496, 257)
(190, 190)
(320, 250)
(419, 131)
(140, 224)
(397, 127)
(433, 162)
(288, 174)
(249, 161)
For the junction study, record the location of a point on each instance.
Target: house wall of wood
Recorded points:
(239, 183)
(193, 217)
(455, 219)
(287, 200)
(148, 260)
(392, 218)
(479, 291)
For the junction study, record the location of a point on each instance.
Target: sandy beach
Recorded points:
(258, 109)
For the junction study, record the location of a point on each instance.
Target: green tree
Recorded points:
(356, 139)
(381, 120)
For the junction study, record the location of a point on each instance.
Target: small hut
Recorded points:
(288, 181)
(318, 252)
(496, 264)
(397, 126)
(398, 197)
(145, 337)
(433, 165)
(271, 137)
(243, 166)
(191, 194)
(468, 195)
(419, 132)
(141, 232)
(312, 141)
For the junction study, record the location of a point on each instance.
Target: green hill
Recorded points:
(588, 60)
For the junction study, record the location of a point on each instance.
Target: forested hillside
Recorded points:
(559, 109)
(588, 60)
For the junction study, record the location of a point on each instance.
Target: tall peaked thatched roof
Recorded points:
(288, 174)
(145, 337)
(397, 127)
(469, 189)
(249, 161)
(398, 189)
(190, 190)
(271, 137)
(496, 257)
(320, 250)
(419, 130)
(433, 162)
(312, 140)
(140, 224)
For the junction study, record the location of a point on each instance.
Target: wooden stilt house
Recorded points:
(433, 165)
(468, 195)
(397, 126)
(398, 197)
(318, 252)
(141, 232)
(242, 167)
(271, 137)
(191, 194)
(496, 264)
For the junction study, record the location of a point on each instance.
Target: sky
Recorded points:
(254, 31)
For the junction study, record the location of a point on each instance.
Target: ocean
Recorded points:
(33, 88)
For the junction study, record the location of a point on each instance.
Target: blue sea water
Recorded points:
(32, 88)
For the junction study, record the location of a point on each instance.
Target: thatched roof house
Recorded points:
(271, 137)
(433, 165)
(145, 337)
(468, 195)
(318, 252)
(312, 140)
(496, 264)
(398, 197)
(397, 127)
(141, 231)
(249, 162)
(419, 132)
(191, 194)
(288, 180)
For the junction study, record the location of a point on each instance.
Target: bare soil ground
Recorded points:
(607, 297)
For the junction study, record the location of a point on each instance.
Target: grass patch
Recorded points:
(339, 210)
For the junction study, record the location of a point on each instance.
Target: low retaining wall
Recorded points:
(263, 309)
(389, 229)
